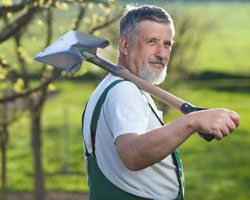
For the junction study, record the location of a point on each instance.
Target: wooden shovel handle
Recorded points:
(155, 91)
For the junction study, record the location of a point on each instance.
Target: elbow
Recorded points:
(132, 164)
(129, 153)
(130, 159)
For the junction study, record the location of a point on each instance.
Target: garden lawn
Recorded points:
(215, 170)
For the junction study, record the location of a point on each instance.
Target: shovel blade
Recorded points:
(63, 54)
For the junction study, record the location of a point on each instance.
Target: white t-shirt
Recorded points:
(126, 110)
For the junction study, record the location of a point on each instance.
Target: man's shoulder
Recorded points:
(123, 91)
(123, 86)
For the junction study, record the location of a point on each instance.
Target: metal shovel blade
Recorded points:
(62, 53)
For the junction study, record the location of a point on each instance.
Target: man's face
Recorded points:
(148, 56)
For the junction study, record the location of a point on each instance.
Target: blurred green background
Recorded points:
(217, 75)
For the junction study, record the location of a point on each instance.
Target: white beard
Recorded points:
(152, 76)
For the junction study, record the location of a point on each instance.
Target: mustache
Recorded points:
(157, 61)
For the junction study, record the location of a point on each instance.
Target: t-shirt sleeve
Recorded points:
(126, 110)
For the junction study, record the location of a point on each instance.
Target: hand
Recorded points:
(217, 122)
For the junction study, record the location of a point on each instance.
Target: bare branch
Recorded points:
(10, 120)
(87, 1)
(55, 75)
(14, 8)
(49, 19)
(106, 23)
(21, 61)
(44, 90)
(13, 28)
(12, 75)
(79, 17)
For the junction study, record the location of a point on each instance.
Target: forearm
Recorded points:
(143, 150)
(138, 151)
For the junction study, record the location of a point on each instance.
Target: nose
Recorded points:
(162, 52)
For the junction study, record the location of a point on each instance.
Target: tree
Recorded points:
(19, 20)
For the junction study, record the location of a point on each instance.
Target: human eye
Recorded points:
(151, 41)
(168, 44)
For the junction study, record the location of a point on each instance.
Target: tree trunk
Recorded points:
(4, 141)
(4, 169)
(39, 189)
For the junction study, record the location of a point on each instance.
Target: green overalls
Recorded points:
(100, 188)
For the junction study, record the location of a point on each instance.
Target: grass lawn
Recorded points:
(215, 170)
(226, 45)
(219, 169)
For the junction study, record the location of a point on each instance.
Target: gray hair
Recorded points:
(129, 23)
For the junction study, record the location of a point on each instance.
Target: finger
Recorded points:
(231, 125)
(235, 117)
(217, 134)
(225, 130)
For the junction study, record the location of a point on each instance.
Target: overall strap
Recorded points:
(83, 115)
(177, 160)
(96, 113)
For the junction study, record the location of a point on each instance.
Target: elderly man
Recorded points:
(130, 153)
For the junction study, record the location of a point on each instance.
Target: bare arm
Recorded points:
(138, 151)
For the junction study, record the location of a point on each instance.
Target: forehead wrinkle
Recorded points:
(144, 26)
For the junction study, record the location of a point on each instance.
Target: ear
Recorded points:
(124, 45)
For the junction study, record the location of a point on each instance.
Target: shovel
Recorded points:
(69, 51)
